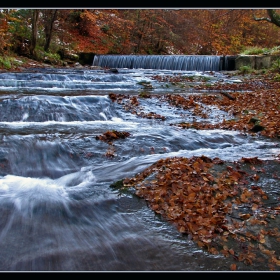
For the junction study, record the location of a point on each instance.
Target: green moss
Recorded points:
(144, 94)
(5, 62)
(245, 69)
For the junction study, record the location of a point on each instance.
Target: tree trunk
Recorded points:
(35, 18)
(50, 18)
(275, 18)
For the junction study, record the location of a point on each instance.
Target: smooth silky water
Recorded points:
(57, 209)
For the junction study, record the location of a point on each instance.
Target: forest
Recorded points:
(36, 33)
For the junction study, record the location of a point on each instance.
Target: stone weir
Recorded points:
(167, 62)
(257, 62)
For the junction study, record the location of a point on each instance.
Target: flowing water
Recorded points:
(57, 209)
(168, 62)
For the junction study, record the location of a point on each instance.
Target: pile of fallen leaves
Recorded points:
(110, 136)
(131, 104)
(252, 111)
(219, 206)
(253, 104)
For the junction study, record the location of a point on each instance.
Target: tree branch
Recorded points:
(262, 19)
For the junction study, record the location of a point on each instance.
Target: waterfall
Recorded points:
(164, 62)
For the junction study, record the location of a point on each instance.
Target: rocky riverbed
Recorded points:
(228, 208)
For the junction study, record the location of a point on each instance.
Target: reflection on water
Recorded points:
(58, 212)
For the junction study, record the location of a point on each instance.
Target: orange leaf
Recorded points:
(276, 261)
(231, 251)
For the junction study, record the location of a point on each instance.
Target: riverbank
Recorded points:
(21, 62)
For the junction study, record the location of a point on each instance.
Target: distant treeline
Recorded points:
(34, 32)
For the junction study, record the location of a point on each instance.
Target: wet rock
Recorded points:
(257, 128)
(112, 70)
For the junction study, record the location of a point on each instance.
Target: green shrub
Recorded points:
(275, 50)
(255, 51)
(47, 57)
(276, 78)
(245, 69)
(276, 65)
(5, 62)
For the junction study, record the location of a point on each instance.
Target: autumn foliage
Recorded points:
(141, 31)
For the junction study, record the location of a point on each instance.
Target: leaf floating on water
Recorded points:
(114, 134)
(244, 216)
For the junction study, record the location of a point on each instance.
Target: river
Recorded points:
(58, 211)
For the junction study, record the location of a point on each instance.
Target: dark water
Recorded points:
(57, 209)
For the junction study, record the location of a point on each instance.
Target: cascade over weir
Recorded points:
(166, 62)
